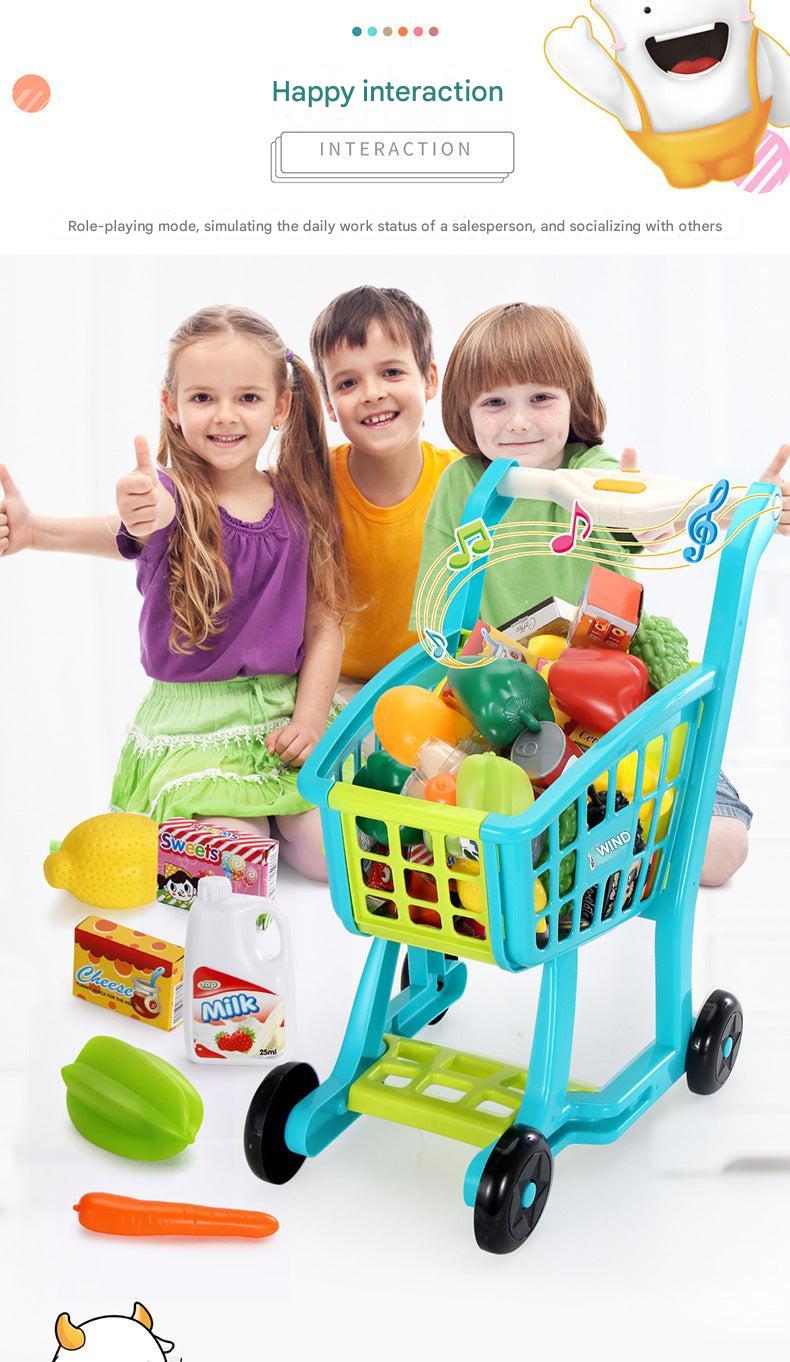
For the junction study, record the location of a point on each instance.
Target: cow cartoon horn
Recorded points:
(68, 1335)
(142, 1316)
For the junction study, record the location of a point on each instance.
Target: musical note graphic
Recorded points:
(438, 642)
(465, 537)
(702, 528)
(564, 543)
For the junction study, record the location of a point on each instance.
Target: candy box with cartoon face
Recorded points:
(189, 850)
(138, 976)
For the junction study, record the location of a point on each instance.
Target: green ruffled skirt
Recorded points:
(199, 749)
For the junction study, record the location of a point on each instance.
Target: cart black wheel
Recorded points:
(714, 1045)
(513, 1190)
(405, 980)
(264, 1130)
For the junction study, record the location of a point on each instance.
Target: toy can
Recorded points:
(544, 754)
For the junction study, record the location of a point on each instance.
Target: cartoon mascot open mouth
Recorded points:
(690, 52)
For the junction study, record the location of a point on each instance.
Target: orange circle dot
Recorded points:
(31, 94)
(103, 924)
(123, 967)
(404, 32)
(158, 945)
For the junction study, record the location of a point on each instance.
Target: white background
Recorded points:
(377, 1226)
(649, 1244)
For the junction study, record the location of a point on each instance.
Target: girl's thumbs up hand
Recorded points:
(144, 505)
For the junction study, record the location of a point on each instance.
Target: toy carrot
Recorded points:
(107, 1214)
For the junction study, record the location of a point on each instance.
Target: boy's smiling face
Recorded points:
(377, 393)
(525, 422)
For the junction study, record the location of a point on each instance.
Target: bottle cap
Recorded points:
(213, 889)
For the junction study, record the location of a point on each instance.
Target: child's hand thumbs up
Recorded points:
(773, 473)
(144, 505)
(16, 522)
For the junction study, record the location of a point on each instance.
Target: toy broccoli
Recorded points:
(663, 649)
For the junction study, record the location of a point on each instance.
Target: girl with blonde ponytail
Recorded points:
(243, 584)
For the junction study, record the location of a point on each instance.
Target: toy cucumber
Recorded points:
(131, 1102)
(383, 772)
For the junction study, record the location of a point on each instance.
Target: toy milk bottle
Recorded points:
(239, 997)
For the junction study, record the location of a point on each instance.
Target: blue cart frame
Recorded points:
(508, 1180)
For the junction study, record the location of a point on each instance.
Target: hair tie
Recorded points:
(289, 357)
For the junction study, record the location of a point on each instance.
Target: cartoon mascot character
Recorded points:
(694, 83)
(116, 1337)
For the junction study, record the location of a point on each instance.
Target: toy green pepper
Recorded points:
(383, 772)
(494, 784)
(502, 699)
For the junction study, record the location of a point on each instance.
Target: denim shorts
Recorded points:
(729, 804)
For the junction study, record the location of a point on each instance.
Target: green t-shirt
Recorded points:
(512, 587)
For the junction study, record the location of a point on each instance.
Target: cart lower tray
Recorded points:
(464, 1097)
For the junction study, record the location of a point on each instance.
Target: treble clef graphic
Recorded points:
(702, 528)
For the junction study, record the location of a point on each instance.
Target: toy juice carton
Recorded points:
(609, 612)
(136, 975)
(189, 850)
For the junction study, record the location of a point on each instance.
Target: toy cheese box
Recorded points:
(128, 972)
(188, 851)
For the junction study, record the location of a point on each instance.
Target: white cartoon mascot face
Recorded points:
(688, 58)
(116, 1337)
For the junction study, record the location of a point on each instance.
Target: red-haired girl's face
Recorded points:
(525, 422)
(226, 400)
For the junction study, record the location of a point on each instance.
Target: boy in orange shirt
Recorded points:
(372, 350)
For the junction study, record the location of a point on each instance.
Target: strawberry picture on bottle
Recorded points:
(235, 1019)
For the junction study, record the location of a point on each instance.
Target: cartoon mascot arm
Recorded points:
(778, 60)
(577, 57)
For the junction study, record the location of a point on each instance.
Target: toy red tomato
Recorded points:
(597, 686)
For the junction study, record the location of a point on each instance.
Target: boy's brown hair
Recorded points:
(348, 317)
(514, 344)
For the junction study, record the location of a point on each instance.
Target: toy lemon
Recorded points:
(108, 862)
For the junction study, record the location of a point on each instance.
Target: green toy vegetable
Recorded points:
(568, 826)
(383, 772)
(502, 699)
(663, 649)
(494, 784)
(131, 1102)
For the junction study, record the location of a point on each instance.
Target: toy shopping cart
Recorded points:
(641, 859)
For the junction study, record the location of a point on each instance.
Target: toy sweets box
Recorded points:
(128, 972)
(188, 851)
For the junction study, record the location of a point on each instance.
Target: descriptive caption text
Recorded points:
(355, 227)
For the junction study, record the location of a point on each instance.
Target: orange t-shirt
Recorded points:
(382, 545)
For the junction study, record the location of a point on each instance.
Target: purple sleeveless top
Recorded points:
(265, 620)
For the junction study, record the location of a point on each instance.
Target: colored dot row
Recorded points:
(388, 32)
